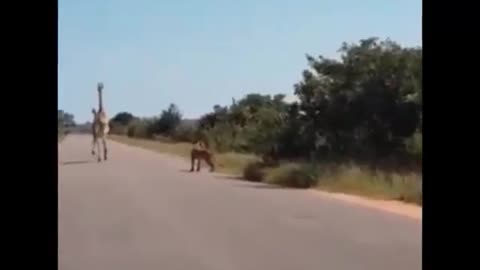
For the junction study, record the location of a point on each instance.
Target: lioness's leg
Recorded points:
(199, 160)
(208, 159)
(192, 157)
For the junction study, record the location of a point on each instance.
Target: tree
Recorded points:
(249, 125)
(168, 120)
(368, 102)
(65, 119)
(365, 106)
(123, 118)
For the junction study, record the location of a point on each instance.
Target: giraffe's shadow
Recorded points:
(75, 162)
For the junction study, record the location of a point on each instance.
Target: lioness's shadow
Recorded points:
(258, 185)
(75, 162)
(242, 182)
(184, 171)
(230, 177)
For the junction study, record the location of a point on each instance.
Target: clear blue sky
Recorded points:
(200, 53)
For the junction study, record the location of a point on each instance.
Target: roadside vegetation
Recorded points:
(356, 127)
(65, 121)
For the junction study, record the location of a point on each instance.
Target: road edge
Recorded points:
(395, 207)
(408, 210)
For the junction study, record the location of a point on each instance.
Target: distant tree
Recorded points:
(65, 119)
(168, 120)
(123, 118)
(366, 105)
(368, 102)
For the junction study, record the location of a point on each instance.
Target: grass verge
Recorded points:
(233, 163)
(61, 136)
(374, 184)
(349, 179)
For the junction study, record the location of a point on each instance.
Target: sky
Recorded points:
(150, 53)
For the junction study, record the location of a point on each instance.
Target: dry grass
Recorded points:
(226, 162)
(61, 136)
(374, 184)
(254, 172)
(295, 175)
(233, 162)
(348, 179)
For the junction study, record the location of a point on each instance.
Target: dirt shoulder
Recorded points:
(396, 207)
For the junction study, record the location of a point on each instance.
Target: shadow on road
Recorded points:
(75, 162)
(188, 171)
(258, 186)
(241, 182)
(230, 177)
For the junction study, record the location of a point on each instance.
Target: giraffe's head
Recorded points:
(100, 87)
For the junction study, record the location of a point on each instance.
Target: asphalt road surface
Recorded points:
(142, 210)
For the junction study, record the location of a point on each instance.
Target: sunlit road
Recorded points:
(142, 210)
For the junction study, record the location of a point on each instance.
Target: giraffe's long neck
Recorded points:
(100, 101)
(94, 116)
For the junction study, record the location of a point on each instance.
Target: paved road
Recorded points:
(141, 210)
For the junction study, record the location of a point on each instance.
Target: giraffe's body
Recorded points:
(100, 127)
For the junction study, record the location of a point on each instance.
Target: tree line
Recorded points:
(65, 119)
(364, 107)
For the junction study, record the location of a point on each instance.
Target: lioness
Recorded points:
(200, 151)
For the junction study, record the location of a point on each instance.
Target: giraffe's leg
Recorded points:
(99, 158)
(104, 143)
(199, 161)
(94, 140)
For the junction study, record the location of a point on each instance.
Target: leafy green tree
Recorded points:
(368, 102)
(168, 120)
(123, 118)
(65, 119)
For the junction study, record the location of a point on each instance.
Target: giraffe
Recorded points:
(100, 126)
(94, 136)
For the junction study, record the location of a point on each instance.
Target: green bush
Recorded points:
(61, 134)
(117, 128)
(293, 175)
(184, 134)
(408, 188)
(414, 144)
(131, 131)
(139, 129)
(254, 171)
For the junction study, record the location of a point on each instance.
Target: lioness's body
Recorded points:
(200, 152)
